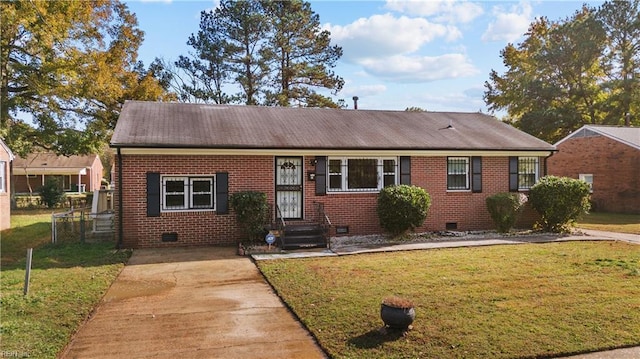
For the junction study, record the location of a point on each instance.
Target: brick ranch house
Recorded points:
(6, 156)
(606, 157)
(177, 164)
(74, 173)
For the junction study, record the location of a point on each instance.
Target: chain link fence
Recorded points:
(81, 225)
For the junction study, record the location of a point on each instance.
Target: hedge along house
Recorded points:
(6, 156)
(177, 164)
(606, 157)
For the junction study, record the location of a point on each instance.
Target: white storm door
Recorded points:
(289, 186)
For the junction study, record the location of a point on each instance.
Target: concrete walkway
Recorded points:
(589, 235)
(191, 303)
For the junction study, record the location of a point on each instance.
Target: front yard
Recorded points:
(506, 301)
(531, 300)
(67, 282)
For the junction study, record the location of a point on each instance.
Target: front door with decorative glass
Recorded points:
(289, 186)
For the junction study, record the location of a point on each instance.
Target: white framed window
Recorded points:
(527, 172)
(347, 174)
(187, 193)
(458, 173)
(587, 178)
(3, 176)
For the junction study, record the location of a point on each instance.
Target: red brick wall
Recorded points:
(468, 210)
(193, 228)
(614, 165)
(356, 210)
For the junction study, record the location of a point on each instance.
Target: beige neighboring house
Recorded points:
(74, 173)
(6, 156)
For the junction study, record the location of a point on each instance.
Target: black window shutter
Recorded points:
(405, 170)
(222, 192)
(476, 170)
(321, 175)
(513, 174)
(153, 194)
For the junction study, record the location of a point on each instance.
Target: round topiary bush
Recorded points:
(402, 208)
(505, 208)
(560, 201)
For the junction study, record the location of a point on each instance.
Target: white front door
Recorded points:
(289, 186)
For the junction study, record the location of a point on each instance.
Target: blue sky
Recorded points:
(433, 54)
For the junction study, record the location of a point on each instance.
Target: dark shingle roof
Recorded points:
(180, 125)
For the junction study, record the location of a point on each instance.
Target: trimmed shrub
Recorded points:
(560, 201)
(251, 210)
(505, 208)
(51, 194)
(402, 208)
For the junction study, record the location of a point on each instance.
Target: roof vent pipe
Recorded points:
(355, 102)
(627, 120)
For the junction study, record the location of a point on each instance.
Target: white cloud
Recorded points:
(364, 90)
(386, 35)
(451, 101)
(451, 11)
(509, 24)
(409, 69)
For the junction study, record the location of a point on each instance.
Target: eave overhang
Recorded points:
(356, 152)
(21, 171)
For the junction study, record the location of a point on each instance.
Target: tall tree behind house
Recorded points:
(274, 50)
(67, 67)
(581, 70)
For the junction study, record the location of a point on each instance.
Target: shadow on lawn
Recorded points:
(376, 337)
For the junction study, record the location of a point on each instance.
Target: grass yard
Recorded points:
(518, 301)
(613, 222)
(68, 279)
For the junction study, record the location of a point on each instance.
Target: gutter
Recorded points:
(324, 149)
(120, 205)
(546, 169)
(139, 150)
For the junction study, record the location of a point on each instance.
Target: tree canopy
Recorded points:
(67, 67)
(584, 69)
(274, 51)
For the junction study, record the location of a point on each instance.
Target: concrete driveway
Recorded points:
(191, 303)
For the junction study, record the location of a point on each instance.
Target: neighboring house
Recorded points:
(73, 173)
(606, 157)
(177, 164)
(6, 156)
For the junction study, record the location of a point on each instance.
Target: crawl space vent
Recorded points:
(170, 237)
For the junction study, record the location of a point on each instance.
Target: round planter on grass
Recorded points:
(394, 317)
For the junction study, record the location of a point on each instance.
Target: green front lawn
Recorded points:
(68, 279)
(529, 300)
(612, 222)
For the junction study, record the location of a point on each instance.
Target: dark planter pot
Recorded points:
(400, 318)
